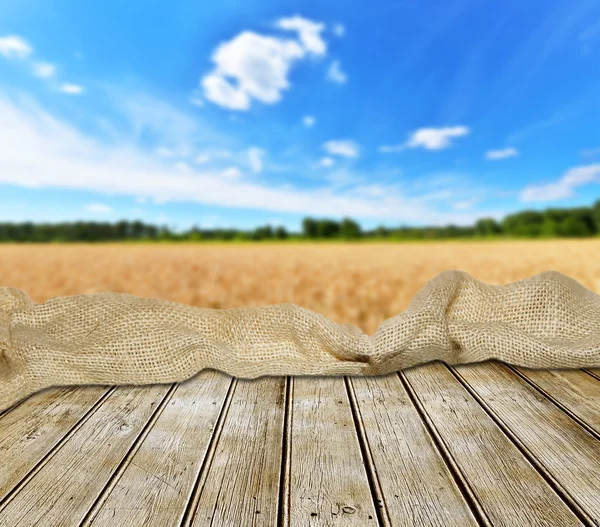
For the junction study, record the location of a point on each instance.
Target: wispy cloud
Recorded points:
(98, 207)
(308, 121)
(436, 138)
(339, 30)
(335, 73)
(341, 147)
(15, 47)
(71, 89)
(390, 149)
(326, 162)
(255, 158)
(255, 66)
(564, 187)
(43, 70)
(464, 204)
(67, 159)
(501, 154)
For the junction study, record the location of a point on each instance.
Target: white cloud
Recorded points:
(308, 121)
(14, 47)
(339, 30)
(254, 66)
(183, 167)
(255, 156)
(335, 73)
(341, 147)
(326, 162)
(464, 205)
(196, 101)
(436, 138)
(591, 152)
(309, 33)
(72, 89)
(563, 188)
(98, 207)
(204, 157)
(231, 173)
(165, 152)
(44, 70)
(389, 149)
(64, 158)
(501, 154)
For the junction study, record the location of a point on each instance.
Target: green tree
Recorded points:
(573, 227)
(349, 229)
(309, 228)
(487, 227)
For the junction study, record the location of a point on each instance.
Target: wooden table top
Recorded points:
(483, 444)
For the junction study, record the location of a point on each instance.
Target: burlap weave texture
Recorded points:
(546, 321)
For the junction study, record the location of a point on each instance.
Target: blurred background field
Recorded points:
(360, 283)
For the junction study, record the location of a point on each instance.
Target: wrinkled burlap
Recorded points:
(546, 321)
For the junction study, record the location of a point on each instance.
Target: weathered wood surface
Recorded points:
(484, 444)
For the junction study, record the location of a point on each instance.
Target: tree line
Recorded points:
(549, 223)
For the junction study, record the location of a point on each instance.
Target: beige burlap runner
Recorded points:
(546, 321)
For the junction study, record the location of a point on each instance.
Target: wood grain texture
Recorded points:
(418, 488)
(31, 431)
(565, 451)
(575, 391)
(242, 484)
(507, 487)
(156, 483)
(328, 485)
(65, 488)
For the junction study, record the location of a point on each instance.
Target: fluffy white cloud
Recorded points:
(12, 46)
(339, 30)
(341, 147)
(255, 156)
(326, 162)
(335, 73)
(309, 33)
(44, 70)
(254, 66)
(72, 89)
(98, 207)
(501, 154)
(308, 121)
(563, 188)
(435, 138)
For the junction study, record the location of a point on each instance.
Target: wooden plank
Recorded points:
(509, 490)
(575, 391)
(242, 483)
(31, 431)
(328, 483)
(64, 489)
(418, 487)
(566, 452)
(157, 481)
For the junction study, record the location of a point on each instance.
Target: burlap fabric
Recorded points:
(546, 321)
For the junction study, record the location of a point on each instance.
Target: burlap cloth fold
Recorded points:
(546, 321)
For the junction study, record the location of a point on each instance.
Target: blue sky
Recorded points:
(238, 114)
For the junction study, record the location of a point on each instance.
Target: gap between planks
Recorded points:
(577, 509)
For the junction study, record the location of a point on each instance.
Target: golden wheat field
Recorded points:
(361, 283)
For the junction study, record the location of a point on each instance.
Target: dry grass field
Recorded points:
(361, 283)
